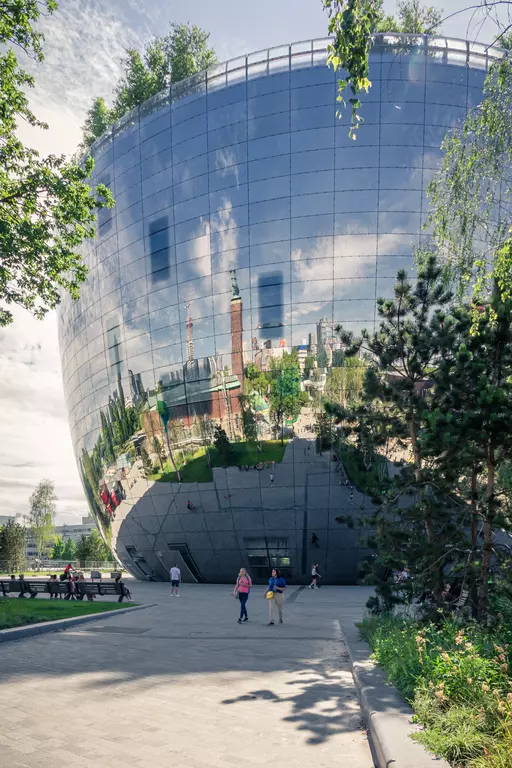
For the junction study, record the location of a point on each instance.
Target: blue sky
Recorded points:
(85, 41)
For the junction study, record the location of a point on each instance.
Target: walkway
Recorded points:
(182, 684)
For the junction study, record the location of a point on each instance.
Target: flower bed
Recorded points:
(458, 682)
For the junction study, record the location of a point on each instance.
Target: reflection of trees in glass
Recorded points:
(165, 415)
(256, 380)
(344, 384)
(285, 395)
(221, 441)
(249, 421)
(309, 364)
(324, 430)
(159, 450)
(146, 462)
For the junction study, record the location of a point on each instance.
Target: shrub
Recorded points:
(458, 682)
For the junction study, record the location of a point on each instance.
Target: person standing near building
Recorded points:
(275, 596)
(242, 588)
(175, 580)
(314, 575)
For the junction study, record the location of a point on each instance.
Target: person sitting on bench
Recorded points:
(25, 587)
(124, 591)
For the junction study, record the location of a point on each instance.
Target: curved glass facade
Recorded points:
(247, 226)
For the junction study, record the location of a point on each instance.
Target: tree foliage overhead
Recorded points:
(46, 206)
(352, 24)
(164, 60)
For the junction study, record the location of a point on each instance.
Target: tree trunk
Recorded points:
(413, 432)
(483, 592)
(172, 457)
(474, 512)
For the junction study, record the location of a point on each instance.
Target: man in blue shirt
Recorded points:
(276, 588)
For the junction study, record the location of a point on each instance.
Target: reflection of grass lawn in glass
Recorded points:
(17, 613)
(364, 480)
(196, 470)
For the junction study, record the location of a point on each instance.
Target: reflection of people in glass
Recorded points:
(314, 540)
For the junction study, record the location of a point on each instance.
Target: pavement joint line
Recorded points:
(30, 630)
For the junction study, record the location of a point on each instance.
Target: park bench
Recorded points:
(31, 588)
(83, 589)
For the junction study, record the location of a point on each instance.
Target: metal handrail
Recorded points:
(448, 50)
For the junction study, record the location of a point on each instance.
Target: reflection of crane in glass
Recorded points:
(190, 338)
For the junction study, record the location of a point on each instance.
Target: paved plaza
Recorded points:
(182, 684)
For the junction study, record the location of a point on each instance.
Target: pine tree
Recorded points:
(221, 441)
(415, 517)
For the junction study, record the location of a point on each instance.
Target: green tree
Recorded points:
(285, 396)
(42, 508)
(98, 119)
(147, 464)
(413, 18)
(469, 431)
(69, 552)
(221, 441)
(46, 205)
(249, 422)
(164, 60)
(165, 415)
(12, 546)
(415, 334)
(92, 548)
(58, 549)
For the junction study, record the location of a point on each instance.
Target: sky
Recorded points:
(84, 43)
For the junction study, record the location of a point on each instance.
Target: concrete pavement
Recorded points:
(182, 684)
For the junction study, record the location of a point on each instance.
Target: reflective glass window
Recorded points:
(402, 112)
(312, 226)
(360, 245)
(188, 129)
(360, 178)
(182, 172)
(130, 235)
(309, 205)
(315, 160)
(396, 157)
(266, 190)
(313, 77)
(356, 201)
(226, 96)
(157, 182)
(228, 198)
(230, 134)
(155, 123)
(316, 138)
(180, 112)
(226, 115)
(306, 183)
(391, 244)
(357, 157)
(269, 167)
(133, 290)
(400, 200)
(269, 125)
(163, 318)
(232, 155)
(269, 231)
(266, 105)
(269, 253)
(265, 85)
(268, 210)
(231, 176)
(320, 117)
(444, 93)
(127, 179)
(191, 209)
(189, 149)
(129, 215)
(158, 202)
(160, 162)
(155, 144)
(226, 259)
(313, 96)
(193, 249)
(270, 146)
(190, 188)
(128, 198)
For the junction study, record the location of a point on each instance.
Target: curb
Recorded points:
(19, 633)
(387, 716)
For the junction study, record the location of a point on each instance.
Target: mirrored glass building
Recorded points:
(247, 227)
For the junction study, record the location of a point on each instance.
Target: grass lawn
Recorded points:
(196, 470)
(17, 613)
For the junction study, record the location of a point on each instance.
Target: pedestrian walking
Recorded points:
(271, 479)
(314, 576)
(242, 589)
(351, 497)
(190, 505)
(275, 596)
(175, 580)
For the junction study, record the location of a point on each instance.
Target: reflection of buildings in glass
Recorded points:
(245, 168)
(205, 388)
